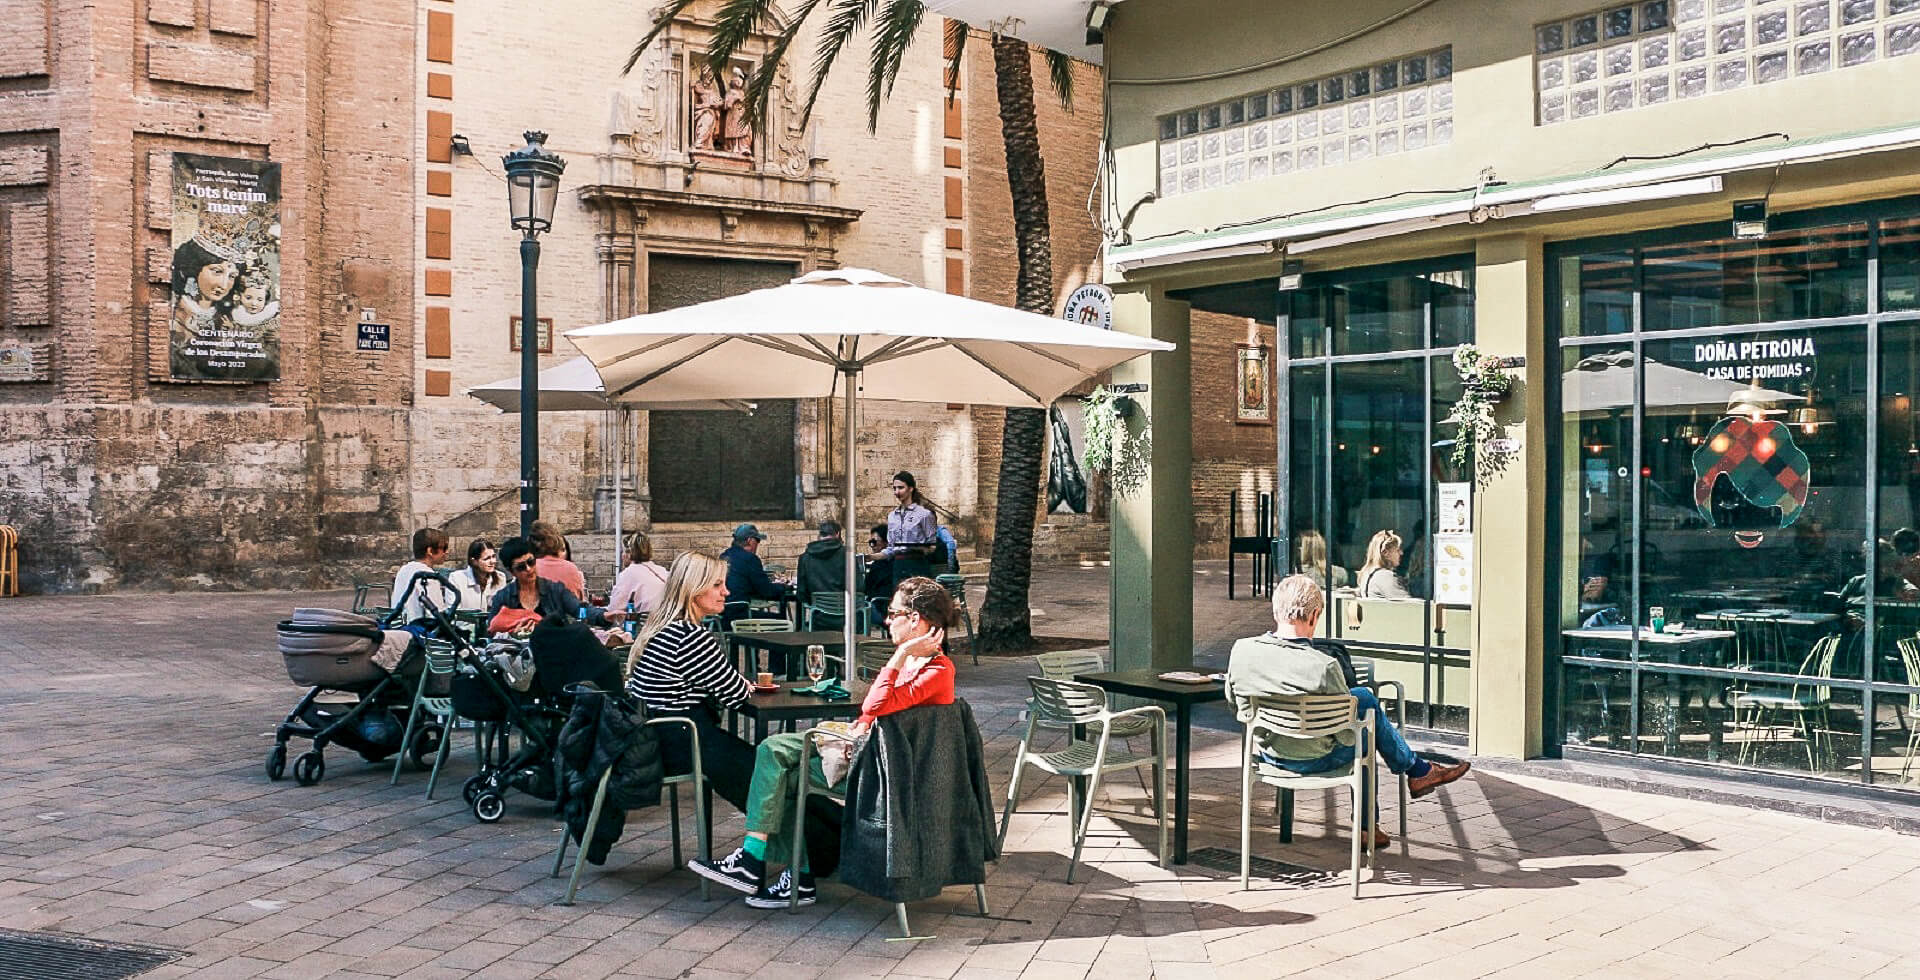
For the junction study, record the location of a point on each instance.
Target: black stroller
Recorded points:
(328, 651)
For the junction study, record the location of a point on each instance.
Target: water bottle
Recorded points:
(631, 630)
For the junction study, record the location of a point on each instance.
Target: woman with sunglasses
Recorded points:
(533, 598)
(919, 672)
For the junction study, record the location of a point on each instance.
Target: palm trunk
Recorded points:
(1005, 620)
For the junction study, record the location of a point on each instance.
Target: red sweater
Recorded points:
(931, 684)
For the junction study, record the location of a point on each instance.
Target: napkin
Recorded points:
(828, 688)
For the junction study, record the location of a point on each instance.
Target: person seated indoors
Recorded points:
(1284, 663)
(1378, 577)
(918, 673)
(429, 549)
(747, 577)
(642, 583)
(551, 561)
(529, 597)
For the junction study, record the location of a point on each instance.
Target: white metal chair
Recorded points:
(1065, 665)
(1364, 672)
(1805, 702)
(1310, 716)
(440, 663)
(1910, 657)
(757, 626)
(695, 780)
(1086, 705)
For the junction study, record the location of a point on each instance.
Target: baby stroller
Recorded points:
(328, 651)
(485, 691)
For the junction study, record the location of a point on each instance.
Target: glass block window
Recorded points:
(1353, 116)
(1634, 55)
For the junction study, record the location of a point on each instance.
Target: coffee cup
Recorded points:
(765, 678)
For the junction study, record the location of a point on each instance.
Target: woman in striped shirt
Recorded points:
(678, 669)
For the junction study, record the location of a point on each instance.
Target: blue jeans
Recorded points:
(1393, 749)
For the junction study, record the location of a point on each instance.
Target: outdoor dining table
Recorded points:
(786, 705)
(792, 646)
(1147, 684)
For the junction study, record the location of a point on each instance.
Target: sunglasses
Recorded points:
(522, 565)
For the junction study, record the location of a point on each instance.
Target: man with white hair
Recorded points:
(1283, 663)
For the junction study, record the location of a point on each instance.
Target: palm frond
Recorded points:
(760, 87)
(842, 24)
(892, 36)
(956, 34)
(734, 25)
(1060, 72)
(668, 11)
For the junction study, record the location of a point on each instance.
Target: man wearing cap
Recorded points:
(746, 576)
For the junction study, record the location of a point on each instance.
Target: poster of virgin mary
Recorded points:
(223, 301)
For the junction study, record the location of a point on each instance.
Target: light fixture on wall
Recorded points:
(460, 146)
(1750, 219)
(1098, 13)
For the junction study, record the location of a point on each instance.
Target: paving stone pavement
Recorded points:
(133, 808)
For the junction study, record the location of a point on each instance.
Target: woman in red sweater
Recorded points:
(918, 673)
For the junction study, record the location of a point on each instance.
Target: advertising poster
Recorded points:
(1066, 481)
(1456, 507)
(1453, 569)
(225, 294)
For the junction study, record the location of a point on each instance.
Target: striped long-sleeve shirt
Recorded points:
(683, 666)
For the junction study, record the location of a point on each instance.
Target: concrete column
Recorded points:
(1152, 617)
(1510, 615)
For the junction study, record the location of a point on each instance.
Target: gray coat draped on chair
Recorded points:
(919, 814)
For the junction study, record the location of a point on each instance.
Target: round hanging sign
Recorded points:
(1091, 304)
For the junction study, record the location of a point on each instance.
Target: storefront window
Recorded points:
(1367, 462)
(1730, 591)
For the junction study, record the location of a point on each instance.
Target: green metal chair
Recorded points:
(956, 586)
(440, 664)
(834, 604)
(696, 780)
(1807, 703)
(363, 593)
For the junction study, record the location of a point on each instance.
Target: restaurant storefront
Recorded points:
(1735, 493)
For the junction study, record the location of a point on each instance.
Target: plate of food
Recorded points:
(1188, 677)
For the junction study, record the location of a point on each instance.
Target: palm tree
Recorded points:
(1005, 622)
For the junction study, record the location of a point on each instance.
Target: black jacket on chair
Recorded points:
(919, 815)
(601, 733)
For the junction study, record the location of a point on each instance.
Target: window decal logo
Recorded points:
(1749, 477)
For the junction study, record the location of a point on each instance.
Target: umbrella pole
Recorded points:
(619, 482)
(851, 377)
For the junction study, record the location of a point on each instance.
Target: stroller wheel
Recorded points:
(489, 807)
(426, 743)
(474, 787)
(308, 768)
(277, 762)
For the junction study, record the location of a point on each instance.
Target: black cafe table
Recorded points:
(792, 645)
(785, 705)
(1147, 684)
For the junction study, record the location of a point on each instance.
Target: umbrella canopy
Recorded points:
(574, 386)
(1604, 382)
(907, 343)
(859, 334)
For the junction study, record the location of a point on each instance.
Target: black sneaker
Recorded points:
(777, 896)
(739, 871)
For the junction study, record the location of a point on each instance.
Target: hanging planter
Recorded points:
(1476, 443)
(1111, 449)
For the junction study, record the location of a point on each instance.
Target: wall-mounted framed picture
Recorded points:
(1253, 386)
(544, 331)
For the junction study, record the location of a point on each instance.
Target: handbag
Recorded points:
(837, 755)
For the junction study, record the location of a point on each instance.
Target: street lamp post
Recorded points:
(533, 184)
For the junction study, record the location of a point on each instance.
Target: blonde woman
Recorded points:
(1378, 580)
(1313, 561)
(676, 668)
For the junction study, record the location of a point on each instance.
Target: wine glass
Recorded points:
(816, 662)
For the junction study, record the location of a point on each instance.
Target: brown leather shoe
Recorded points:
(1436, 777)
(1380, 839)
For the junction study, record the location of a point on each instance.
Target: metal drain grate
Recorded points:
(1297, 875)
(42, 956)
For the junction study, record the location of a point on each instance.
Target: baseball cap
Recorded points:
(744, 531)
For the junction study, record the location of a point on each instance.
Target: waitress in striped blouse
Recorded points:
(912, 531)
(677, 668)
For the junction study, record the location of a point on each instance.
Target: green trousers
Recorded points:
(770, 796)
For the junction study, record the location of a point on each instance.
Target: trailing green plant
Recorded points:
(1483, 384)
(1111, 449)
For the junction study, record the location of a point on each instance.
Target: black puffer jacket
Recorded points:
(603, 732)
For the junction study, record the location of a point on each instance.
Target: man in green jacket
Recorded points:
(1283, 663)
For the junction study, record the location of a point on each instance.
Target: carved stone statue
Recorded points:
(737, 135)
(707, 109)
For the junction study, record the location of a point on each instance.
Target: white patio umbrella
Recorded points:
(857, 333)
(1604, 382)
(574, 386)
